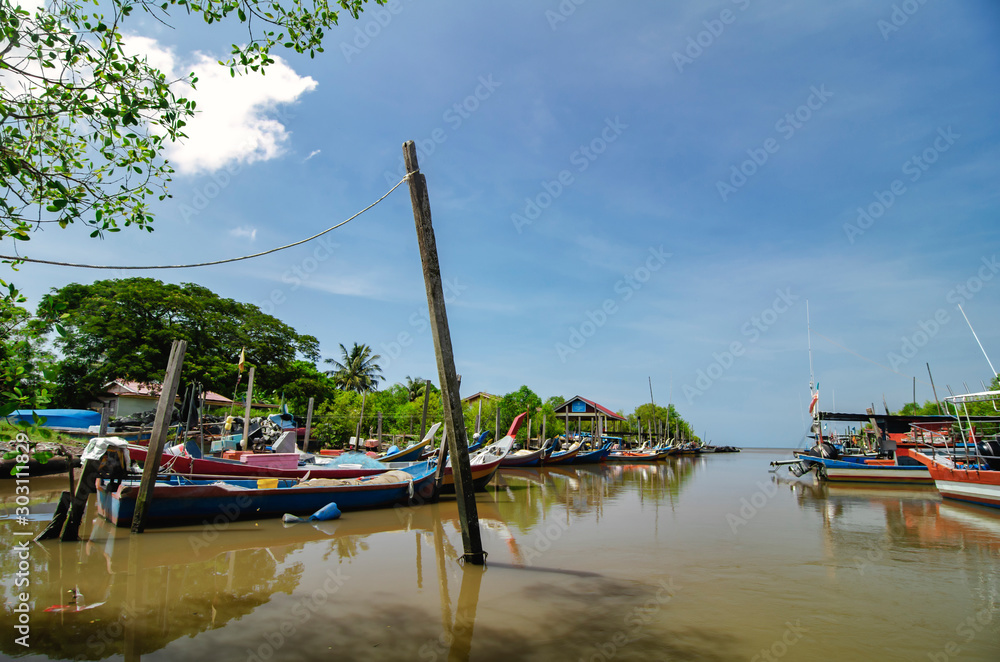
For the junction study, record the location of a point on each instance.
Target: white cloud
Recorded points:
(232, 123)
(244, 231)
(312, 154)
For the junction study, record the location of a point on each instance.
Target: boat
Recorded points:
(484, 463)
(593, 456)
(562, 457)
(847, 468)
(524, 458)
(178, 500)
(410, 453)
(190, 462)
(640, 456)
(970, 470)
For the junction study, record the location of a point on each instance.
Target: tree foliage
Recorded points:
(84, 120)
(123, 329)
(357, 369)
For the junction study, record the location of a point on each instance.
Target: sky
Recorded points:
(622, 195)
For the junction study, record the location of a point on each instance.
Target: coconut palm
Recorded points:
(356, 370)
(414, 387)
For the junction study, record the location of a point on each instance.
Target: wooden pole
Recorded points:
(309, 420)
(479, 417)
(105, 415)
(454, 422)
(357, 435)
(380, 430)
(158, 437)
(496, 432)
(245, 442)
(934, 389)
(423, 418)
(527, 441)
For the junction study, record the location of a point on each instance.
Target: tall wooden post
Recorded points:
(380, 430)
(309, 420)
(479, 417)
(245, 442)
(157, 439)
(496, 432)
(454, 421)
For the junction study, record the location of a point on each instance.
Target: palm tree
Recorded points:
(357, 370)
(414, 387)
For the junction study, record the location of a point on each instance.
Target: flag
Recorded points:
(243, 356)
(815, 399)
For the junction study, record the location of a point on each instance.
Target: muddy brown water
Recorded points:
(706, 558)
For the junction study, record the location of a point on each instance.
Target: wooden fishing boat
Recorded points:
(215, 466)
(968, 471)
(180, 500)
(484, 465)
(897, 471)
(562, 457)
(523, 458)
(640, 456)
(411, 453)
(593, 456)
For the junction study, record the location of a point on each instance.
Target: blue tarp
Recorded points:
(58, 418)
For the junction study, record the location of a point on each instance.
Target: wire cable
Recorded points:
(208, 264)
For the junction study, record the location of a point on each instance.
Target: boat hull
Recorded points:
(482, 474)
(208, 503)
(591, 457)
(408, 454)
(565, 457)
(980, 486)
(859, 472)
(533, 459)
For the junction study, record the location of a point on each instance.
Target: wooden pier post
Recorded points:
(454, 421)
(158, 438)
(357, 437)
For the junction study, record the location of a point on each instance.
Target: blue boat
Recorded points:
(593, 457)
(900, 471)
(179, 500)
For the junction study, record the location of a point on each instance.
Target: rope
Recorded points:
(208, 264)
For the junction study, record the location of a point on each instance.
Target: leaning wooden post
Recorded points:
(159, 435)
(423, 419)
(309, 420)
(245, 442)
(454, 421)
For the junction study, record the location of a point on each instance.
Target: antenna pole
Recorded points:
(992, 369)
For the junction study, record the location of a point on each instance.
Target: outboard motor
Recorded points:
(990, 452)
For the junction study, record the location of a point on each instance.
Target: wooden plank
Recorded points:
(158, 437)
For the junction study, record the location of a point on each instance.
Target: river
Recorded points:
(703, 558)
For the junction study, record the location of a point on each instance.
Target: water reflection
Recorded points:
(620, 561)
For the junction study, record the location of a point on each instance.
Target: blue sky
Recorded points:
(619, 192)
